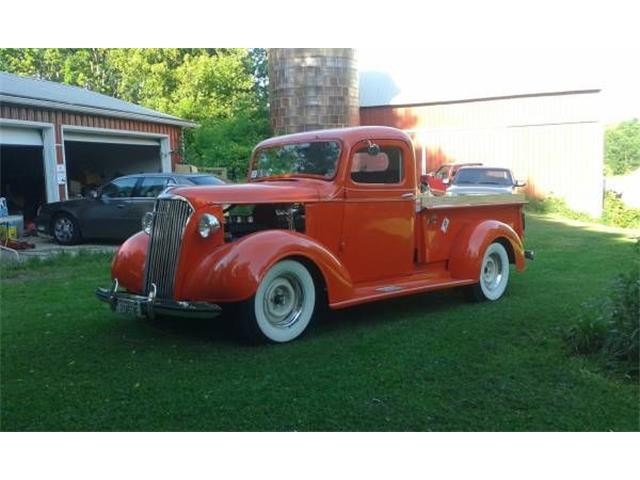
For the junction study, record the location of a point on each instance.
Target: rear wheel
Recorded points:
(494, 275)
(282, 307)
(65, 229)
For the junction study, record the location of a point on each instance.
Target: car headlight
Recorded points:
(147, 222)
(208, 225)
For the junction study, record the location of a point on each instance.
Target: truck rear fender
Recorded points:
(471, 243)
(232, 272)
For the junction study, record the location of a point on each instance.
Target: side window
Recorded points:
(121, 188)
(152, 186)
(385, 167)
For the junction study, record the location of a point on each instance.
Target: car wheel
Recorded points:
(494, 274)
(65, 229)
(282, 307)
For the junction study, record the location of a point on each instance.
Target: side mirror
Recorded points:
(520, 184)
(93, 193)
(373, 149)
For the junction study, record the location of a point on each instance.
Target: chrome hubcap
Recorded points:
(63, 229)
(492, 272)
(283, 301)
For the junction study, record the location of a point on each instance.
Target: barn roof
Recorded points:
(43, 93)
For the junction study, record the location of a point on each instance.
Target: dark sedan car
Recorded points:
(114, 211)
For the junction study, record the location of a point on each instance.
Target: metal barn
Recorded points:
(553, 141)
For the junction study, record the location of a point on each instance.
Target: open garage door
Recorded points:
(22, 172)
(93, 159)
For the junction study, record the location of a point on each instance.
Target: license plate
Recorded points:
(129, 307)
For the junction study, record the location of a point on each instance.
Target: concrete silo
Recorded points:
(312, 88)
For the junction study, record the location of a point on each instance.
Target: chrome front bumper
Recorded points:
(151, 306)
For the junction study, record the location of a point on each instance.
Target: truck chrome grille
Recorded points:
(170, 218)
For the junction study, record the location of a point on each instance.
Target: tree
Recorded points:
(223, 89)
(622, 148)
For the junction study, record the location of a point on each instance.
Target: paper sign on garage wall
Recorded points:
(61, 171)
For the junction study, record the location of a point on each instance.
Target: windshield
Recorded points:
(443, 172)
(314, 158)
(483, 176)
(206, 180)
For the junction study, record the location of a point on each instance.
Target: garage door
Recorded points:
(20, 136)
(22, 172)
(95, 158)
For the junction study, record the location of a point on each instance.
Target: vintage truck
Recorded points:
(334, 217)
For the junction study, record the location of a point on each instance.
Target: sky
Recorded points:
(426, 75)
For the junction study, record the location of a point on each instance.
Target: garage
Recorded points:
(57, 142)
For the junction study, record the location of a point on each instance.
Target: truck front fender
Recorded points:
(232, 272)
(128, 262)
(471, 243)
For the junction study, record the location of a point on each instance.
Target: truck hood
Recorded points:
(275, 191)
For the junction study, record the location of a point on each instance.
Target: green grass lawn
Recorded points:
(430, 362)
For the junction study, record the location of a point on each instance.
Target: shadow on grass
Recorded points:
(223, 329)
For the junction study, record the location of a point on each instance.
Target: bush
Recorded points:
(617, 213)
(556, 206)
(614, 211)
(610, 328)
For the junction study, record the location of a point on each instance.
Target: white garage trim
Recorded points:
(48, 142)
(120, 139)
(129, 137)
(20, 136)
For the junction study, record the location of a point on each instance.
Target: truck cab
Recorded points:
(334, 217)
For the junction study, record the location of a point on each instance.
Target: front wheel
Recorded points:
(282, 307)
(65, 229)
(494, 275)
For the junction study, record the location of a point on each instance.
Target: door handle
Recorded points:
(407, 195)
(121, 205)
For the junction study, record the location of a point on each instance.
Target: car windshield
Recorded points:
(443, 172)
(206, 180)
(483, 176)
(314, 158)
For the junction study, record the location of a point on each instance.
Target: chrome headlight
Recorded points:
(147, 222)
(208, 225)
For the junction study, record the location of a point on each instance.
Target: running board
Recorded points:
(399, 288)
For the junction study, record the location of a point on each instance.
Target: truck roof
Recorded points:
(349, 136)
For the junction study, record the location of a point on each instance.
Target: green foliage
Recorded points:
(556, 206)
(614, 213)
(610, 327)
(622, 148)
(224, 90)
(228, 142)
(617, 213)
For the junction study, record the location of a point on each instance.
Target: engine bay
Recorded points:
(242, 220)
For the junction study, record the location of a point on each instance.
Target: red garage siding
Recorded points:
(59, 118)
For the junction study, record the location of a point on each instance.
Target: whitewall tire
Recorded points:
(494, 274)
(283, 305)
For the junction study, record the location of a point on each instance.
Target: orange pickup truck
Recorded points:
(335, 217)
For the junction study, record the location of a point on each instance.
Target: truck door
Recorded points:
(379, 215)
